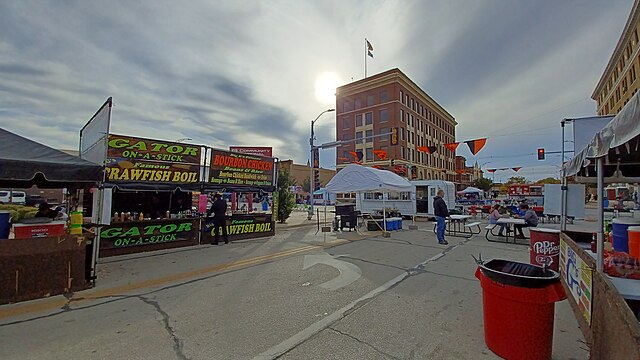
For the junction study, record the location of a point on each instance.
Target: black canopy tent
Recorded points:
(24, 162)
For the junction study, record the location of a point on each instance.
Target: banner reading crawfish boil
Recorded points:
(145, 160)
(230, 168)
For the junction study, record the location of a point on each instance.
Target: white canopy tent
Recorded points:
(358, 179)
(615, 150)
(471, 190)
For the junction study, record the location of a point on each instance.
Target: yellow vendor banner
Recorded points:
(154, 161)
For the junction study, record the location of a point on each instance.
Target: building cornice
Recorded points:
(619, 50)
(390, 77)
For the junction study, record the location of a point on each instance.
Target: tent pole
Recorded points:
(600, 241)
(563, 188)
(384, 214)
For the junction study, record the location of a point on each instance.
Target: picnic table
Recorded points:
(509, 231)
(459, 226)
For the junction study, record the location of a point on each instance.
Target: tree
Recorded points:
(548, 180)
(517, 180)
(483, 184)
(286, 200)
(306, 185)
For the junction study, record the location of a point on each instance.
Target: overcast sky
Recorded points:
(246, 72)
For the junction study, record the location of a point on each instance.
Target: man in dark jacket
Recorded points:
(219, 209)
(441, 212)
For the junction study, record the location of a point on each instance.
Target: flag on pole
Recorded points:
(369, 48)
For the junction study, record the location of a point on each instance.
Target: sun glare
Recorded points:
(326, 84)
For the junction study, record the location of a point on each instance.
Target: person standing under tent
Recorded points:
(219, 210)
(441, 212)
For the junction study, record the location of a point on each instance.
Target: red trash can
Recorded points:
(545, 247)
(518, 302)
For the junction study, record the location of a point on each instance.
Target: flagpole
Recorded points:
(365, 57)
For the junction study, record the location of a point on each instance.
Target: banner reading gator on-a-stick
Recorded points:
(146, 160)
(230, 168)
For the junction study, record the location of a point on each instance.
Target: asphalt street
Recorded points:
(298, 295)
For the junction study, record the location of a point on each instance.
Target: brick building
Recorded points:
(619, 82)
(391, 102)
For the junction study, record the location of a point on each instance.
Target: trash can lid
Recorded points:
(518, 274)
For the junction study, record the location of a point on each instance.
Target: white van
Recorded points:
(15, 197)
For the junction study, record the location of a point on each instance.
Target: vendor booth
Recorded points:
(42, 257)
(360, 179)
(244, 177)
(604, 279)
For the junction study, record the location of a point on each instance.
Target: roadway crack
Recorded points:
(177, 343)
(364, 343)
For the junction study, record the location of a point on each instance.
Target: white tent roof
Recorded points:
(357, 178)
(471, 190)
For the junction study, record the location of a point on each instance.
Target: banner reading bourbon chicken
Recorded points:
(230, 168)
(145, 160)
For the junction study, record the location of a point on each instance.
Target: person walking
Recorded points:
(219, 209)
(441, 212)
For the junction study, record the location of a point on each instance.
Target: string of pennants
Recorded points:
(474, 146)
(516, 169)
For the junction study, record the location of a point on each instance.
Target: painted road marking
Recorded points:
(59, 301)
(304, 335)
(348, 272)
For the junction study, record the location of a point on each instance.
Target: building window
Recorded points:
(346, 106)
(345, 155)
(359, 137)
(346, 123)
(359, 120)
(411, 103)
(401, 115)
(369, 136)
(384, 96)
(358, 104)
(369, 100)
(368, 120)
(384, 131)
(401, 95)
(406, 100)
(369, 154)
(403, 136)
(346, 137)
(402, 153)
(384, 115)
(385, 149)
(632, 73)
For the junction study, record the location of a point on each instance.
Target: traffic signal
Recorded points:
(541, 154)
(316, 180)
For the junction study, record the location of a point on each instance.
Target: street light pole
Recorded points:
(311, 186)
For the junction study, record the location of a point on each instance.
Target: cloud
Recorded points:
(243, 73)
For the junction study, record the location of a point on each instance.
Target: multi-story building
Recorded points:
(466, 175)
(300, 173)
(390, 102)
(619, 82)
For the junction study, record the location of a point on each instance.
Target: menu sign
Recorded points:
(146, 160)
(229, 168)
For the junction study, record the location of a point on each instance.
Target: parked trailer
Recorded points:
(417, 202)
